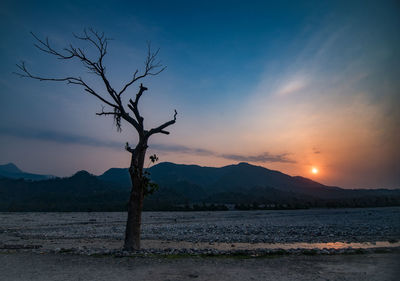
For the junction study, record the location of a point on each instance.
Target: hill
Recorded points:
(238, 178)
(184, 187)
(81, 192)
(10, 170)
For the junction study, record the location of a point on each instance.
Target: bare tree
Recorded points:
(113, 105)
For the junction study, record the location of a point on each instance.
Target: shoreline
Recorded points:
(168, 248)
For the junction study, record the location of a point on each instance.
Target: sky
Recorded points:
(287, 85)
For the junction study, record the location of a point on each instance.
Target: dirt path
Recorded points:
(30, 266)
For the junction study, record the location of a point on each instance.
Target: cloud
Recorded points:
(58, 137)
(264, 157)
(316, 150)
(292, 86)
(66, 138)
(182, 149)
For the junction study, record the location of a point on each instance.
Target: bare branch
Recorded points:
(139, 94)
(128, 148)
(69, 80)
(106, 112)
(136, 112)
(99, 42)
(133, 122)
(133, 105)
(151, 68)
(160, 129)
(46, 47)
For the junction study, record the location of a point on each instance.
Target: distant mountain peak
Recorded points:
(82, 173)
(10, 168)
(244, 164)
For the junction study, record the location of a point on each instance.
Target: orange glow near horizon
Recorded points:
(314, 170)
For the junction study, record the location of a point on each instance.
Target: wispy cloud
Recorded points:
(292, 86)
(59, 137)
(264, 157)
(66, 138)
(316, 150)
(182, 149)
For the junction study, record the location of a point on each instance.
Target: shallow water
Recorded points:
(253, 246)
(330, 245)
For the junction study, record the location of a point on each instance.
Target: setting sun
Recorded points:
(314, 170)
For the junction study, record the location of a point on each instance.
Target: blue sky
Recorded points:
(286, 85)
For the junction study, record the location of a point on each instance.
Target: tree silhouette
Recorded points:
(113, 105)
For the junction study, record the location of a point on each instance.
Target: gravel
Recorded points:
(204, 245)
(84, 233)
(315, 225)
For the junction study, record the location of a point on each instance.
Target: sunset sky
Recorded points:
(287, 86)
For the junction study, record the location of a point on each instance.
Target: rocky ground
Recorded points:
(210, 240)
(315, 225)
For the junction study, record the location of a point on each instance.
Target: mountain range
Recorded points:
(10, 170)
(181, 187)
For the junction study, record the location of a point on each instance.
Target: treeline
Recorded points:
(360, 202)
(84, 192)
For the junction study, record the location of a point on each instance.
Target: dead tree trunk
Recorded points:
(139, 180)
(114, 101)
(135, 204)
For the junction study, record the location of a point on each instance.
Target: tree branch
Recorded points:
(152, 67)
(133, 105)
(128, 148)
(107, 112)
(99, 42)
(160, 129)
(133, 122)
(69, 80)
(139, 94)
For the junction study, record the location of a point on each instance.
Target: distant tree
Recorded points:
(114, 106)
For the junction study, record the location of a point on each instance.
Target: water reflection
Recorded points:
(252, 246)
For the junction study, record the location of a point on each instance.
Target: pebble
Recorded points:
(310, 226)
